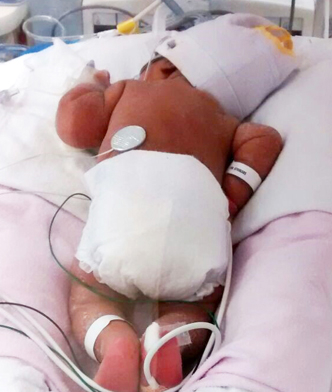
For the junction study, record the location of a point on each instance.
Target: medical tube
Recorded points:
(15, 3)
(174, 7)
(31, 25)
(10, 51)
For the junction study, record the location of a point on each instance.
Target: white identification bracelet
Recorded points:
(246, 173)
(94, 331)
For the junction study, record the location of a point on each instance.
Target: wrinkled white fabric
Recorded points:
(17, 376)
(235, 62)
(157, 226)
(32, 156)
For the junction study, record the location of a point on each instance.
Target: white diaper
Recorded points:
(157, 226)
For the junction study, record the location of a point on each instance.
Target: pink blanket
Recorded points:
(29, 275)
(278, 335)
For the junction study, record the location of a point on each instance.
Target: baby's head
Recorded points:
(239, 59)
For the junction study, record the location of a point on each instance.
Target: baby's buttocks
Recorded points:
(164, 214)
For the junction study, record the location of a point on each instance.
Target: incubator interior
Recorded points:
(140, 141)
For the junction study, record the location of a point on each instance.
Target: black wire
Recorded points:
(14, 329)
(291, 17)
(92, 7)
(72, 276)
(49, 319)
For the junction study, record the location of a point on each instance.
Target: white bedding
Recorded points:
(18, 376)
(300, 180)
(27, 122)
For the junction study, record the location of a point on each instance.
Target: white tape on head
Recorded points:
(246, 173)
(94, 331)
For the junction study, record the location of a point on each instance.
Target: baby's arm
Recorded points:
(257, 146)
(84, 112)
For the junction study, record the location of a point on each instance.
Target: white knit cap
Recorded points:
(238, 58)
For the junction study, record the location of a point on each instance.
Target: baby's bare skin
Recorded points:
(177, 119)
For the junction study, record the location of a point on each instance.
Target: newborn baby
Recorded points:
(158, 223)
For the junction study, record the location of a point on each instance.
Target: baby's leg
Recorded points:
(117, 347)
(278, 335)
(173, 360)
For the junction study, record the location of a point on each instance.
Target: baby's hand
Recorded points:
(258, 147)
(103, 78)
(82, 116)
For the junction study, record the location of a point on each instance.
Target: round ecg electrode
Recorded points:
(128, 138)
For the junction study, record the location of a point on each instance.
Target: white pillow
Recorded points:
(27, 123)
(301, 110)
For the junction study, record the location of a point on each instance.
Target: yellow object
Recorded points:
(280, 36)
(128, 27)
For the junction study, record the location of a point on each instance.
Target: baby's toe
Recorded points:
(118, 349)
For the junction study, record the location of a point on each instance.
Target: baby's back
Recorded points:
(171, 126)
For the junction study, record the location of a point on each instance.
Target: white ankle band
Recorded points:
(94, 331)
(246, 173)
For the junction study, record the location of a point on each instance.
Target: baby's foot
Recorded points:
(176, 358)
(118, 350)
(166, 365)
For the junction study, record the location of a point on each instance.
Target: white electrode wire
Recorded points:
(75, 155)
(103, 153)
(221, 310)
(146, 10)
(36, 193)
(38, 327)
(327, 19)
(44, 348)
(48, 351)
(185, 328)
(147, 69)
(138, 140)
(214, 342)
(227, 288)
(159, 19)
(153, 53)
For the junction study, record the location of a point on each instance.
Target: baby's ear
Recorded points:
(158, 70)
(82, 119)
(167, 68)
